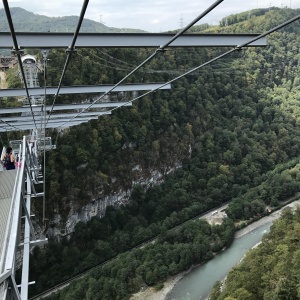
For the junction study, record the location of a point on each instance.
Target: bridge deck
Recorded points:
(7, 181)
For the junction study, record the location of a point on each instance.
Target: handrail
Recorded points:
(11, 219)
(27, 169)
(15, 214)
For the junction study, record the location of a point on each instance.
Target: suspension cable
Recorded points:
(159, 50)
(183, 30)
(8, 124)
(69, 51)
(237, 48)
(18, 52)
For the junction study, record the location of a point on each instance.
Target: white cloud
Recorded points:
(150, 15)
(155, 21)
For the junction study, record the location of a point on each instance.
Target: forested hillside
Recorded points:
(227, 125)
(229, 131)
(270, 271)
(25, 21)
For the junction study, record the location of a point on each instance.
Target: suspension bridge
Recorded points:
(20, 186)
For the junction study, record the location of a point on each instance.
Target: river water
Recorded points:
(198, 283)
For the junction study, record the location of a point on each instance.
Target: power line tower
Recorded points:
(181, 22)
(100, 20)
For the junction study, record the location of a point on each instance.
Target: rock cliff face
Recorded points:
(97, 207)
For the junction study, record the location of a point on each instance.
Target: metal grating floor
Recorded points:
(7, 181)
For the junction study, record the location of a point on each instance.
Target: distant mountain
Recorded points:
(25, 21)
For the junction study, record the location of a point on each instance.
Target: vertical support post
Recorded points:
(23, 192)
(25, 268)
(45, 55)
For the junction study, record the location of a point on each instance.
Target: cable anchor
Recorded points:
(17, 51)
(160, 49)
(69, 50)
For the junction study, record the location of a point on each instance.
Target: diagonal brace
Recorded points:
(28, 218)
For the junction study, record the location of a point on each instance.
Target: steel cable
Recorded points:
(17, 51)
(237, 48)
(70, 50)
(159, 50)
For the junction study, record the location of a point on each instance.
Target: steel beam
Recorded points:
(20, 123)
(82, 89)
(35, 243)
(52, 124)
(124, 40)
(53, 116)
(5, 275)
(38, 108)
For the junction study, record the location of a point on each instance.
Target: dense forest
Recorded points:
(227, 132)
(271, 270)
(173, 252)
(227, 125)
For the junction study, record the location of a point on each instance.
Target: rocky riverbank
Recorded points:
(270, 218)
(152, 294)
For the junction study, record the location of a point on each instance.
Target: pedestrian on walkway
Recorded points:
(8, 159)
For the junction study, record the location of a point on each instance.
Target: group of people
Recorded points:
(8, 159)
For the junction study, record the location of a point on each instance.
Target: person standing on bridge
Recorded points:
(8, 159)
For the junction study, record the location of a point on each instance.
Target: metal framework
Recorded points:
(82, 89)
(64, 115)
(17, 231)
(54, 116)
(58, 121)
(61, 107)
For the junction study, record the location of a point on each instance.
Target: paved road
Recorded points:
(217, 216)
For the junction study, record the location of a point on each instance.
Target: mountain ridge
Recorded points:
(40, 23)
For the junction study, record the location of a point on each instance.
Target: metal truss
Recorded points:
(82, 89)
(54, 116)
(17, 233)
(49, 125)
(65, 114)
(62, 107)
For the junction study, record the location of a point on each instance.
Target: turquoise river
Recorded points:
(197, 284)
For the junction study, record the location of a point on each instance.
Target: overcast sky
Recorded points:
(149, 15)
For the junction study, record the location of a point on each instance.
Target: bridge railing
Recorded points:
(26, 176)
